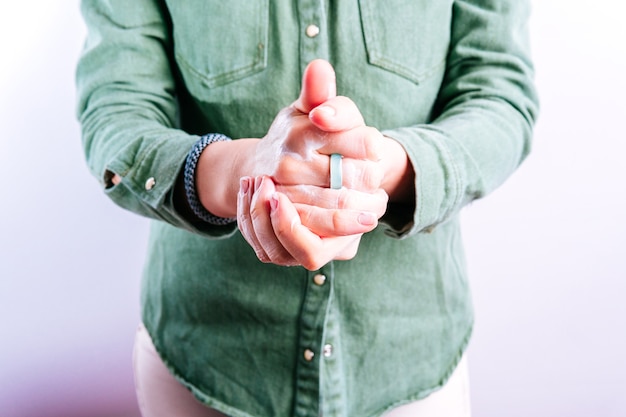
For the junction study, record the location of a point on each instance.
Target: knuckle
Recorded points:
(286, 169)
(383, 202)
(338, 223)
(254, 216)
(378, 176)
(373, 144)
(312, 264)
(312, 260)
(276, 255)
(372, 176)
(261, 255)
(363, 175)
(282, 231)
(307, 217)
(343, 198)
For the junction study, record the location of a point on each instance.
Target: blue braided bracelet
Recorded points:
(190, 180)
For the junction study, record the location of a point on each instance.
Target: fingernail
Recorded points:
(367, 219)
(326, 111)
(244, 184)
(274, 202)
(257, 183)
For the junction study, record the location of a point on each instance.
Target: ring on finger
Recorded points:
(336, 173)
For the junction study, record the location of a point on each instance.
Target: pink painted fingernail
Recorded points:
(244, 184)
(367, 219)
(274, 202)
(257, 183)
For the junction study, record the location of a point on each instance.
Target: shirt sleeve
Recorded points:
(485, 112)
(127, 108)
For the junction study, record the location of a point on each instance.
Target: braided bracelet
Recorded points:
(190, 180)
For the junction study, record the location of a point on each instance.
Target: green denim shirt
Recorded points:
(451, 80)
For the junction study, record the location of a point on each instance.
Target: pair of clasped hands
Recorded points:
(284, 207)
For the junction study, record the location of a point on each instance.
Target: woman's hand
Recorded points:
(296, 151)
(285, 209)
(296, 148)
(307, 223)
(272, 225)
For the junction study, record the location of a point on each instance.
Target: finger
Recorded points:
(244, 220)
(332, 223)
(303, 159)
(360, 175)
(308, 249)
(337, 114)
(347, 135)
(318, 85)
(366, 176)
(344, 198)
(262, 224)
(361, 142)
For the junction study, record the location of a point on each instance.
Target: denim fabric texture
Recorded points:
(451, 80)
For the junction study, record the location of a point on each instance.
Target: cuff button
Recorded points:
(150, 183)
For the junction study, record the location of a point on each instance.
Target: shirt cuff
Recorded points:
(438, 183)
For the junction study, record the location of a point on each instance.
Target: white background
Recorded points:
(546, 252)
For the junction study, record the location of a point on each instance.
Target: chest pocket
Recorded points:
(407, 37)
(217, 42)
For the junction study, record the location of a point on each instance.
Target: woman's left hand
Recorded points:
(272, 225)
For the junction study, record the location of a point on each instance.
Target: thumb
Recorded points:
(318, 85)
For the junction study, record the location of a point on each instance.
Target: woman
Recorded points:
(343, 291)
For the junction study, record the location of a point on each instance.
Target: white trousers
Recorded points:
(161, 395)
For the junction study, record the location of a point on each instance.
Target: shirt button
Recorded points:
(150, 183)
(309, 355)
(312, 31)
(319, 279)
(328, 351)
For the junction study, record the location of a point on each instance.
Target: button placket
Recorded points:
(313, 36)
(332, 378)
(311, 341)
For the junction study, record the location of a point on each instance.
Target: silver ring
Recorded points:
(336, 174)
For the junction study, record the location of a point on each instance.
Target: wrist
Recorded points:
(190, 176)
(219, 169)
(399, 179)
